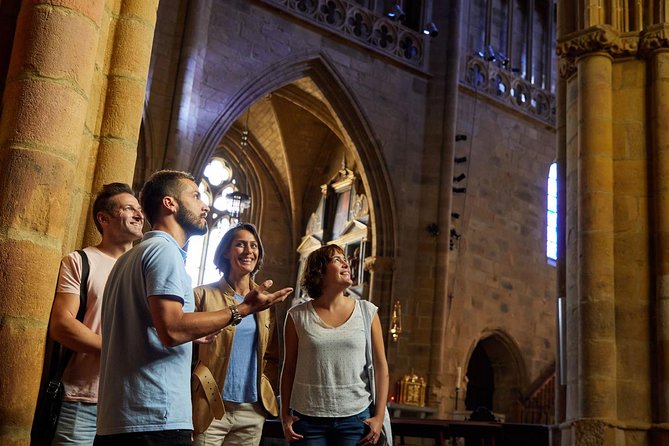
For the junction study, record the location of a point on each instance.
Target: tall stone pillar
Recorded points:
(45, 105)
(595, 282)
(614, 94)
(659, 122)
(444, 364)
(124, 96)
(56, 98)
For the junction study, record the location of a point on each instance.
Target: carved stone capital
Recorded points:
(599, 38)
(655, 37)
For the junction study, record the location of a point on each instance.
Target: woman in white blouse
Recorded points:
(326, 398)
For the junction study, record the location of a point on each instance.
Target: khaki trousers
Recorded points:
(240, 426)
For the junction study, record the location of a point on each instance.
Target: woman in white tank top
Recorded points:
(325, 394)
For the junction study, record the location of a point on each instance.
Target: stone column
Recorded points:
(124, 96)
(595, 277)
(76, 81)
(442, 371)
(659, 128)
(44, 110)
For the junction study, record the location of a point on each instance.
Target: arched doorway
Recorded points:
(496, 375)
(480, 381)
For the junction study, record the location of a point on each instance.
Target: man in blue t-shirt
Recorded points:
(148, 322)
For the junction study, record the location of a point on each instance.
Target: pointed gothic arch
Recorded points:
(321, 71)
(495, 365)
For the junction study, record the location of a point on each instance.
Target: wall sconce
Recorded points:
(460, 160)
(244, 140)
(459, 190)
(460, 137)
(396, 321)
(396, 13)
(431, 30)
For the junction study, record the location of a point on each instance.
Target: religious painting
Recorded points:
(341, 212)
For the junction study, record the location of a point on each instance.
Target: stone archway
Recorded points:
(496, 374)
(349, 118)
(329, 102)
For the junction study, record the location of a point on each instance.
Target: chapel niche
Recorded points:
(342, 218)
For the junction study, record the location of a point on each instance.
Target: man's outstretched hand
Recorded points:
(259, 299)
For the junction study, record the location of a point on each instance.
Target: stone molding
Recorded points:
(379, 263)
(507, 87)
(360, 26)
(605, 38)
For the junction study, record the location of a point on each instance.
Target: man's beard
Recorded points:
(190, 221)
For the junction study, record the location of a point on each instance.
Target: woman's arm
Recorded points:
(287, 377)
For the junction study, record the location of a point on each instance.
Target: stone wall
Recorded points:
(498, 272)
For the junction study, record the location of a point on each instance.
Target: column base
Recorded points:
(601, 432)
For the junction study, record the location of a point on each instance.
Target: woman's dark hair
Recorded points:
(314, 269)
(222, 262)
(104, 201)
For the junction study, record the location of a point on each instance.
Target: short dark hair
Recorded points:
(222, 262)
(314, 269)
(104, 200)
(159, 185)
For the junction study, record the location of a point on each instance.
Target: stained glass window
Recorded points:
(551, 215)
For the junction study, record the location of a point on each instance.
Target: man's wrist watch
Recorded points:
(236, 317)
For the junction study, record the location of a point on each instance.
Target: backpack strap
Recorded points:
(367, 311)
(83, 286)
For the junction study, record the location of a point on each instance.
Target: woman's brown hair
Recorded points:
(314, 269)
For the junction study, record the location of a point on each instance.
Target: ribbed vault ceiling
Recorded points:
(300, 135)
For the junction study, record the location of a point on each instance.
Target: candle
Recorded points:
(459, 380)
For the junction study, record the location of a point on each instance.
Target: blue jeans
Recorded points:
(76, 424)
(334, 431)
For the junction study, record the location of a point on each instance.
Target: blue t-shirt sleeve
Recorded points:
(164, 272)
